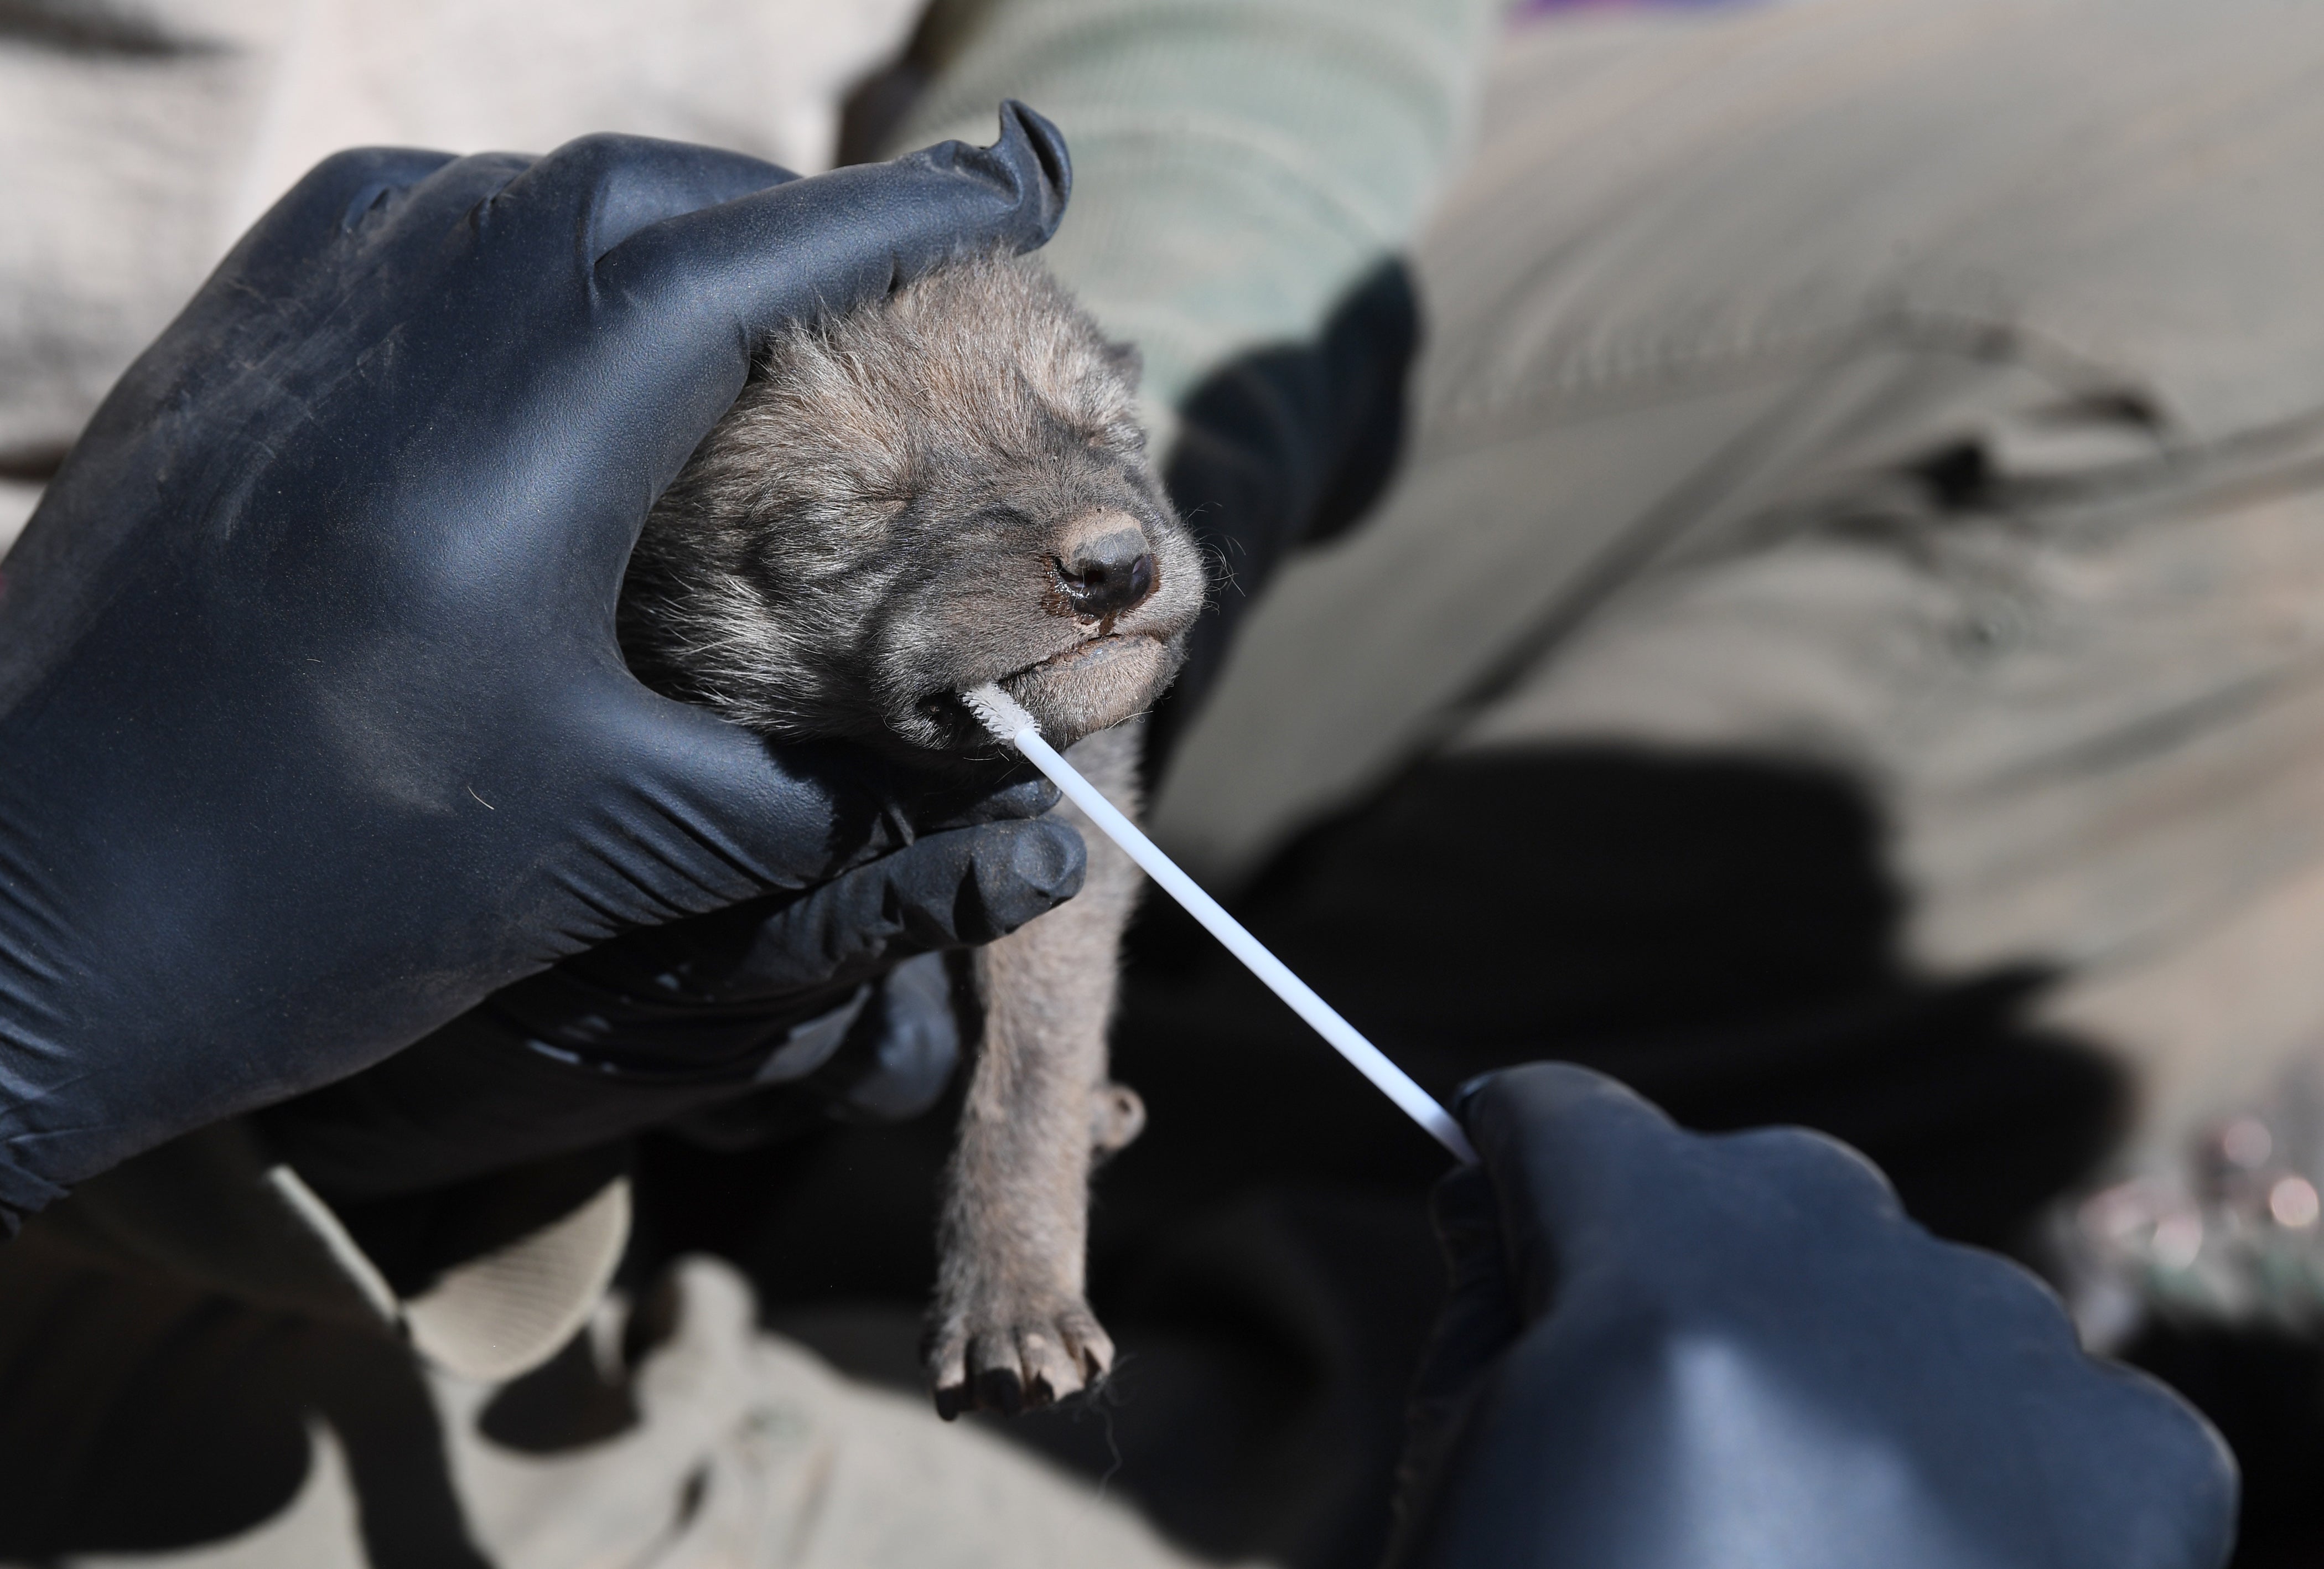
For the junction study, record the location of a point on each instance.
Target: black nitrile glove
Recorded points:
(313, 728)
(751, 1022)
(1285, 445)
(1670, 1351)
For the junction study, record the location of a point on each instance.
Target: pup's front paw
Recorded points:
(1012, 1354)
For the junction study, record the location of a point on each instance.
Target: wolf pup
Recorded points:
(941, 489)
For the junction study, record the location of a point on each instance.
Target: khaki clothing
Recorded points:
(1931, 394)
(143, 140)
(721, 1447)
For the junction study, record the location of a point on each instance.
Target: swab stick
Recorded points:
(1001, 714)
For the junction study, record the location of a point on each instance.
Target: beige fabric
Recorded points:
(506, 1312)
(748, 1455)
(212, 1210)
(745, 1451)
(127, 167)
(1715, 284)
(1236, 167)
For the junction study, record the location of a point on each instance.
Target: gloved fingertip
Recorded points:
(333, 197)
(1533, 1091)
(1018, 870)
(1810, 1159)
(1028, 162)
(1559, 1129)
(1021, 125)
(1025, 799)
(1050, 859)
(380, 176)
(1468, 1093)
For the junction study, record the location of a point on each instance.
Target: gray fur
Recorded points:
(892, 514)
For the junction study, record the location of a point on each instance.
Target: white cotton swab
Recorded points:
(1001, 714)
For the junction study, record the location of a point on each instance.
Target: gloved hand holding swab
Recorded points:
(1001, 714)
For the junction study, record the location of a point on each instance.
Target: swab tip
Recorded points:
(999, 713)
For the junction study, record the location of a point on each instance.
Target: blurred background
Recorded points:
(1772, 547)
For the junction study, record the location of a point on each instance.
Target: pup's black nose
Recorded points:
(1107, 575)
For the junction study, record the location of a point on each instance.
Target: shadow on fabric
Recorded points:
(1720, 934)
(139, 1416)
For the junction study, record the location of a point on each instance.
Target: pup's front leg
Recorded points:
(1011, 1328)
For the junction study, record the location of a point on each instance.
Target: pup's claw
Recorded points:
(1055, 1371)
(1036, 1361)
(948, 1371)
(1086, 1342)
(1000, 1389)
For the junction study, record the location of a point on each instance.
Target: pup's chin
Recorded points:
(1095, 685)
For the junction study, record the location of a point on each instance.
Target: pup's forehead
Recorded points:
(1057, 486)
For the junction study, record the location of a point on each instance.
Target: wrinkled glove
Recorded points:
(736, 1028)
(1688, 1353)
(313, 728)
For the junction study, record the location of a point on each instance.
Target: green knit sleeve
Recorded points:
(1239, 165)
